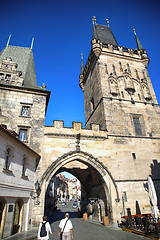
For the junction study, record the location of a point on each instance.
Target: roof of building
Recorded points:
(14, 136)
(24, 58)
(104, 34)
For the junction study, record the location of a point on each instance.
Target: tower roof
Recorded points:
(104, 34)
(24, 59)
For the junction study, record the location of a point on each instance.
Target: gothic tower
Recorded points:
(118, 93)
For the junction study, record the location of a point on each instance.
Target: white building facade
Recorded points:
(17, 175)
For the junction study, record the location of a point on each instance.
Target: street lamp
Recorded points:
(38, 191)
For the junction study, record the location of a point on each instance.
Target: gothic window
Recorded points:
(92, 104)
(8, 159)
(24, 166)
(23, 134)
(25, 111)
(122, 94)
(139, 96)
(137, 125)
(1, 76)
(8, 76)
(134, 155)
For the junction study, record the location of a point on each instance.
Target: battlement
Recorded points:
(59, 124)
(76, 131)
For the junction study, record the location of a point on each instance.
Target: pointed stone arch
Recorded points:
(108, 183)
(84, 157)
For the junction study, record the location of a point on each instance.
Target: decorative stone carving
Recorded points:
(113, 85)
(9, 73)
(128, 82)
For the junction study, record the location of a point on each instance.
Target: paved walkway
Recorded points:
(86, 230)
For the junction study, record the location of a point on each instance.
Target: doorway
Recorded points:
(18, 214)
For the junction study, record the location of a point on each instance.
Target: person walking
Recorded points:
(65, 228)
(44, 230)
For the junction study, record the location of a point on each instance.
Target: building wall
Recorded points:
(14, 186)
(116, 154)
(11, 101)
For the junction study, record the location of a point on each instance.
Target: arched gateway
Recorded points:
(96, 179)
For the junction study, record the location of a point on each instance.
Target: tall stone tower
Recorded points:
(22, 103)
(118, 93)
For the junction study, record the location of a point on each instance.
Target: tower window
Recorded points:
(137, 125)
(23, 134)
(122, 94)
(92, 104)
(1, 76)
(8, 76)
(25, 111)
(139, 96)
(134, 155)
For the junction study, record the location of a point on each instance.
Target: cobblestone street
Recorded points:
(88, 230)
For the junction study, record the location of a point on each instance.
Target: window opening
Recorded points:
(122, 94)
(24, 167)
(8, 158)
(8, 76)
(25, 111)
(23, 135)
(139, 96)
(137, 126)
(1, 76)
(134, 155)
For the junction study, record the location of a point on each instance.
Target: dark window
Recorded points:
(24, 167)
(137, 126)
(134, 155)
(139, 96)
(25, 111)
(23, 135)
(8, 76)
(122, 94)
(8, 159)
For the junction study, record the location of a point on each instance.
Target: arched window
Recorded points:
(24, 166)
(8, 159)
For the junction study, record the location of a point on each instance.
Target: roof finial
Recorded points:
(94, 20)
(32, 43)
(107, 21)
(82, 65)
(8, 40)
(134, 30)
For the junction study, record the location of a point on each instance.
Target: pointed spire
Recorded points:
(94, 35)
(32, 43)
(8, 40)
(82, 65)
(139, 46)
(107, 21)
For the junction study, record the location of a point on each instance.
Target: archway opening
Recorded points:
(93, 197)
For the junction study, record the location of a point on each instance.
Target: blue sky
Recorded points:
(63, 29)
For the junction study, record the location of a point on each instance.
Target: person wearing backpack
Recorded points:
(44, 230)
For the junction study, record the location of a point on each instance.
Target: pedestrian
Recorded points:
(65, 228)
(44, 230)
